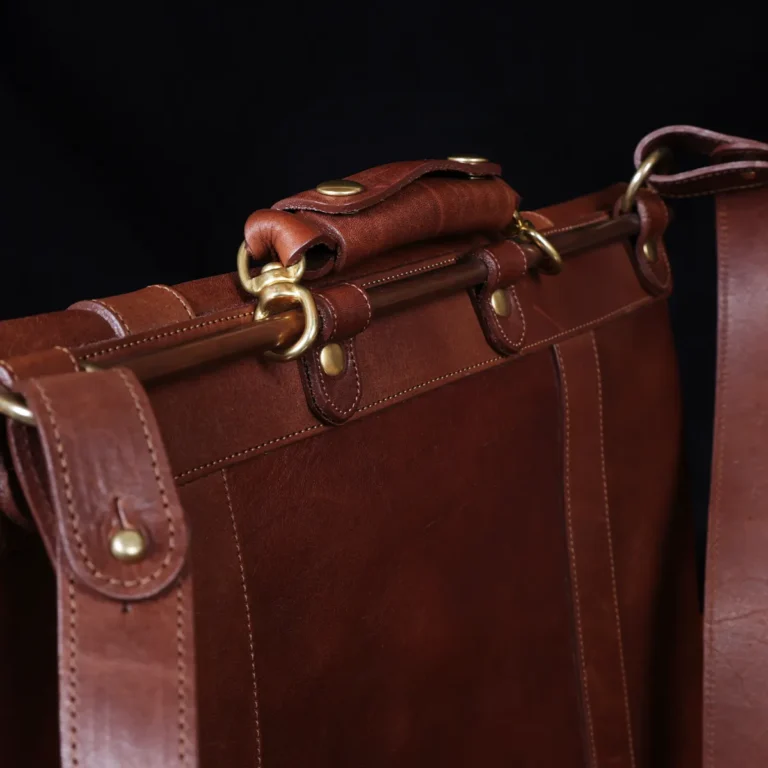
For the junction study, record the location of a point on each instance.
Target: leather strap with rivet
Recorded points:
(117, 534)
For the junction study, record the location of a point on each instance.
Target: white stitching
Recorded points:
(157, 336)
(68, 353)
(72, 669)
(614, 587)
(115, 312)
(248, 621)
(572, 554)
(426, 268)
(321, 376)
(577, 225)
(176, 295)
(367, 304)
(181, 686)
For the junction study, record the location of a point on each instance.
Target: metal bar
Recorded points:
(284, 329)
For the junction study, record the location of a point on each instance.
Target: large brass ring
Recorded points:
(644, 170)
(275, 298)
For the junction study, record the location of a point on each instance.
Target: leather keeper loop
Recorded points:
(649, 256)
(107, 471)
(506, 263)
(345, 310)
(288, 237)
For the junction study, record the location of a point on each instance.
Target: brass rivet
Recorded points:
(749, 175)
(500, 303)
(332, 359)
(469, 159)
(340, 188)
(127, 546)
(650, 252)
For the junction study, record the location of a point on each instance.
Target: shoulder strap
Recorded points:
(736, 611)
(112, 523)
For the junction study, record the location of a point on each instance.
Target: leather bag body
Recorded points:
(469, 546)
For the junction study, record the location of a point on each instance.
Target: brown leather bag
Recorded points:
(423, 510)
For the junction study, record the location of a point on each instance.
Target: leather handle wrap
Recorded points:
(400, 204)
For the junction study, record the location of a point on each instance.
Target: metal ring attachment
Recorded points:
(277, 290)
(644, 170)
(525, 229)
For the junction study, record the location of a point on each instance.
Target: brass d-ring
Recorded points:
(644, 170)
(14, 407)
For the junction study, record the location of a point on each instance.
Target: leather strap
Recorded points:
(607, 719)
(736, 611)
(126, 654)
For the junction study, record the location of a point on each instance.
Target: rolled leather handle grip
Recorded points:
(396, 205)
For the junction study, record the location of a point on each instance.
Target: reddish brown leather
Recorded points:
(141, 310)
(402, 203)
(735, 700)
(736, 163)
(506, 262)
(605, 704)
(345, 310)
(395, 591)
(289, 238)
(126, 670)
(333, 399)
(382, 182)
(656, 276)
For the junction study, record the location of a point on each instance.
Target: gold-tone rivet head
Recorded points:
(340, 188)
(127, 546)
(469, 159)
(332, 359)
(500, 303)
(650, 252)
(749, 175)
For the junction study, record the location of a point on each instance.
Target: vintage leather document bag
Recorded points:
(404, 490)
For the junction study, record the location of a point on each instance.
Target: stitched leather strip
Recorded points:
(735, 700)
(599, 645)
(126, 668)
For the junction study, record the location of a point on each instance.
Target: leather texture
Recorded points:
(486, 563)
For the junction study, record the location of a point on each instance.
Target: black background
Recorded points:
(138, 138)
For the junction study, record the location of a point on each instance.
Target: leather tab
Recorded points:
(333, 399)
(506, 263)
(107, 469)
(345, 310)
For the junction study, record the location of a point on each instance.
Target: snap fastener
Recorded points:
(500, 303)
(340, 188)
(332, 359)
(469, 159)
(127, 545)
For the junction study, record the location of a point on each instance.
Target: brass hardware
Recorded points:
(14, 407)
(332, 359)
(277, 290)
(340, 188)
(127, 545)
(469, 159)
(500, 303)
(524, 229)
(650, 252)
(644, 170)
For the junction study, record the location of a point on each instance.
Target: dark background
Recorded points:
(138, 139)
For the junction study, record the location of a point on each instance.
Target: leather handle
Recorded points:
(397, 204)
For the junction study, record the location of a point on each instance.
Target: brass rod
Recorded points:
(284, 329)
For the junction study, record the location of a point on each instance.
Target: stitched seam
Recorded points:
(711, 175)
(74, 518)
(246, 451)
(181, 679)
(115, 312)
(426, 268)
(611, 560)
(620, 310)
(176, 295)
(572, 555)
(710, 679)
(367, 304)
(68, 353)
(489, 307)
(248, 621)
(321, 376)
(72, 681)
(334, 315)
(703, 193)
(165, 335)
